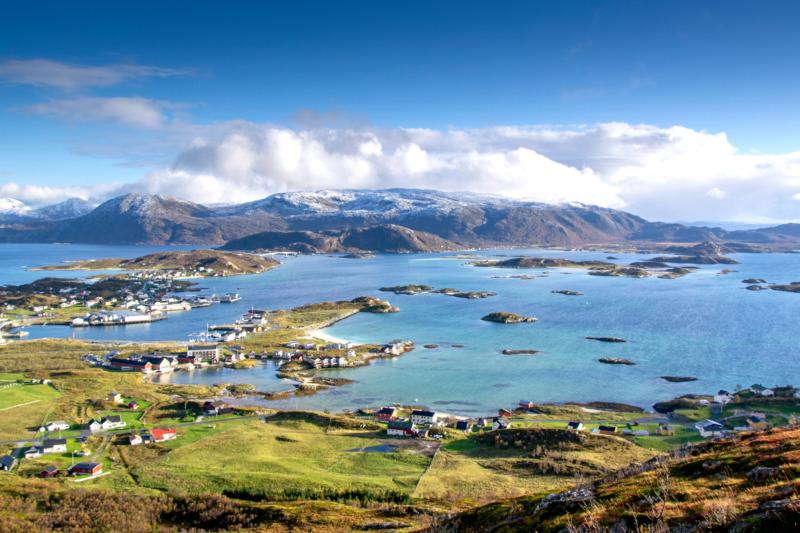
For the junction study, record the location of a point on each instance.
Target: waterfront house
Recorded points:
(54, 446)
(710, 428)
(7, 462)
(423, 418)
(767, 392)
(607, 430)
(160, 435)
(526, 405)
(385, 414)
(161, 363)
(81, 469)
(393, 348)
(130, 365)
(114, 397)
(722, 397)
(505, 413)
(204, 352)
(500, 422)
(401, 428)
(58, 425)
(575, 426)
(463, 425)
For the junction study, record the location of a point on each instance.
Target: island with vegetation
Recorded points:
(411, 290)
(194, 263)
(638, 269)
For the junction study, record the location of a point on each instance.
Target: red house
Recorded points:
(160, 435)
(81, 469)
(50, 471)
(386, 414)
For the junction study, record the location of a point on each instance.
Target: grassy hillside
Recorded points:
(750, 483)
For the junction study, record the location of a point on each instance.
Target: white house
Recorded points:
(58, 425)
(204, 352)
(722, 397)
(767, 392)
(54, 446)
(423, 418)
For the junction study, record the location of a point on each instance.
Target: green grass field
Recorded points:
(272, 460)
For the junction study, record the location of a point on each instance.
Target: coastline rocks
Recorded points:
(753, 281)
(568, 293)
(430, 346)
(504, 317)
(456, 345)
(675, 272)
(678, 379)
(756, 288)
(616, 361)
(375, 305)
(727, 271)
(649, 264)
(509, 351)
(606, 339)
(791, 287)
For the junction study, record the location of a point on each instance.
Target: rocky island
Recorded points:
(504, 317)
(678, 379)
(509, 351)
(195, 263)
(411, 290)
(606, 339)
(616, 361)
(568, 293)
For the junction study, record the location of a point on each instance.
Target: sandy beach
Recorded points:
(321, 334)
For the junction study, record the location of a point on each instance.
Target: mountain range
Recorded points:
(330, 219)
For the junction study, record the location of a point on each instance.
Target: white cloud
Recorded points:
(131, 111)
(673, 173)
(72, 77)
(716, 193)
(38, 195)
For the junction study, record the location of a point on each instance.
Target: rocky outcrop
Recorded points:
(616, 361)
(568, 292)
(504, 317)
(606, 339)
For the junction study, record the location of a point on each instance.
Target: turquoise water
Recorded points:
(704, 325)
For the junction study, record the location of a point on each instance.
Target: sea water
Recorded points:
(705, 325)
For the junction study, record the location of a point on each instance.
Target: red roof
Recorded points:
(159, 434)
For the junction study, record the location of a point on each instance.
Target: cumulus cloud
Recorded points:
(131, 111)
(671, 173)
(72, 77)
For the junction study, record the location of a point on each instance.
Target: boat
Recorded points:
(230, 298)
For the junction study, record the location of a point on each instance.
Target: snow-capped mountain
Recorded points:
(13, 207)
(69, 208)
(360, 202)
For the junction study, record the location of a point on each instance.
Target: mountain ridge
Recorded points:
(469, 219)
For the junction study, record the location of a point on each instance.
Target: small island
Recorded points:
(678, 379)
(568, 293)
(509, 351)
(411, 290)
(606, 339)
(504, 317)
(616, 361)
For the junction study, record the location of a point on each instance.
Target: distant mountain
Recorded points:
(9, 207)
(69, 208)
(465, 218)
(387, 238)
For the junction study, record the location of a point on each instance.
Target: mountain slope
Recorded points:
(387, 238)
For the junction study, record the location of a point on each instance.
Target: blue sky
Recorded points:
(716, 67)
